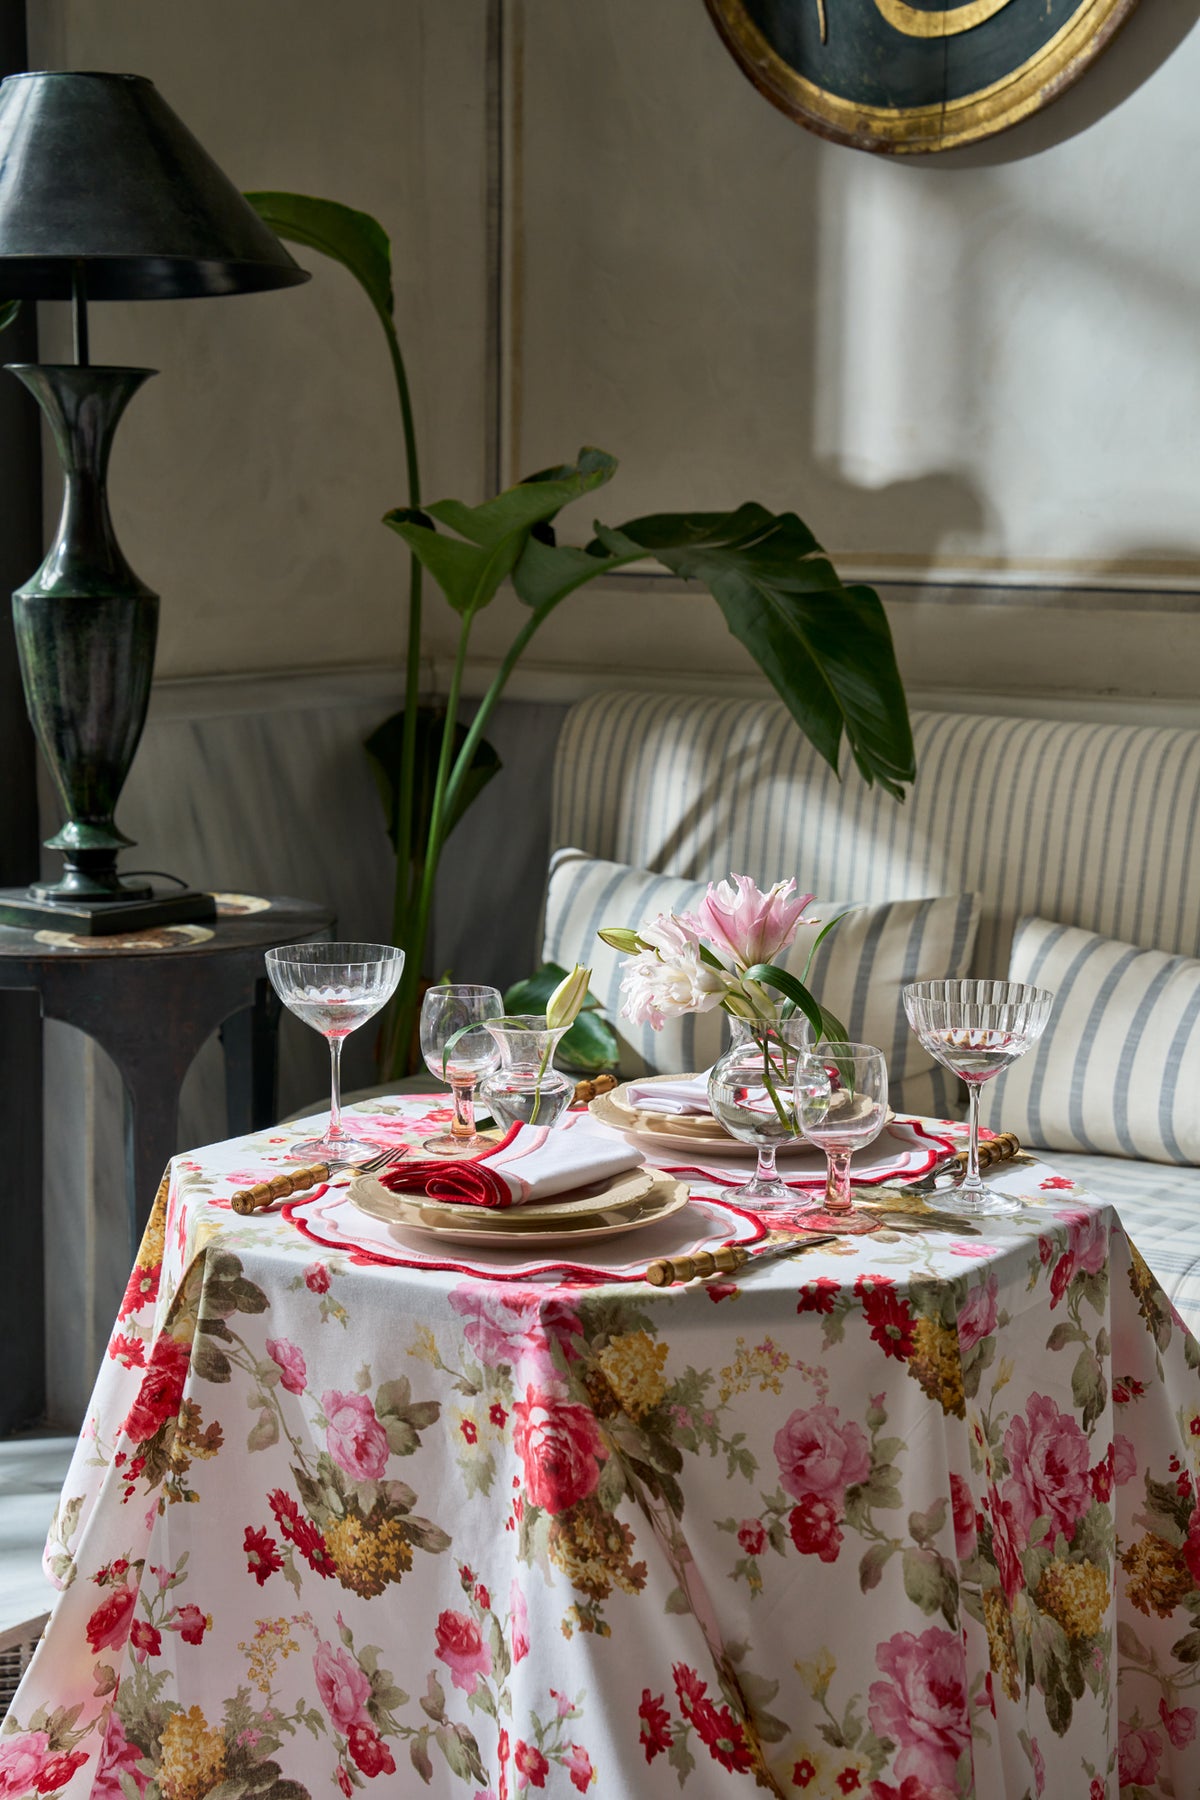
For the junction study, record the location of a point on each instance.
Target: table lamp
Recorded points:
(104, 195)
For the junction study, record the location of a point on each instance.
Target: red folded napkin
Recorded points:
(530, 1163)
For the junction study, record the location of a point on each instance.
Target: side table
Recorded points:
(152, 1000)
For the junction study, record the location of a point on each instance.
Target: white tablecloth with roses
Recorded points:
(912, 1518)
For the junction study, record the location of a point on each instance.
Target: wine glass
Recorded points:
(448, 1009)
(750, 1093)
(841, 1106)
(335, 988)
(975, 1029)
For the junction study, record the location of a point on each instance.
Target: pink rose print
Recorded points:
(290, 1360)
(977, 1317)
(191, 1623)
(316, 1278)
(814, 1527)
(519, 1327)
(578, 1765)
(369, 1752)
(978, 1252)
(752, 1537)
(463, 1650)
(963, 1507)
(561, 1447)
(1039, 1767)
(118, 1757)
(1087, 1237)
(910, 1789)
(519, 1626)
(1004, 1546)
(1124, 1460)
(343, 1687)
(108, 1626)
(1180, 1724)
(1048, 1455)
(355, 1439)
(923, 1704)
(1137, 1756)
(818, 1455)
(22, 1758)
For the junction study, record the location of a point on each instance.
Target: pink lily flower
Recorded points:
(749, 925)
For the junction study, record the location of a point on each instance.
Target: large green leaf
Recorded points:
(385, 749)
(470, 567)
(591, 1044)
(354, 239)
(547, 572)
(826, 648)
(8, 312)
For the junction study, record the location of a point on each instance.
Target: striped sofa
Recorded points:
(1086, 824)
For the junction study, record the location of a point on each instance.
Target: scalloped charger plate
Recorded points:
(625, 1202)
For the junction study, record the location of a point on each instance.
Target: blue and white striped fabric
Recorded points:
(857, 972)
(1159, 1207)
(1117, 1069)
(1097, 825)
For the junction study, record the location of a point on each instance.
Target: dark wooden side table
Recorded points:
(152, 1001)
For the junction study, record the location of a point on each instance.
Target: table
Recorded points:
(912, 1518)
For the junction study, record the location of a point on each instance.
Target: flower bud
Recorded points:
(618, 938)
(566, 1002)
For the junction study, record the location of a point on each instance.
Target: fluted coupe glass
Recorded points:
(976, 1029)
(457, 1054)
(335, 988)
(841, 1107)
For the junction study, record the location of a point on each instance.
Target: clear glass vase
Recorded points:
(526, 1089)
(751, 1092)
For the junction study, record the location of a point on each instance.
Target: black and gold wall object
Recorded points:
(904, 77)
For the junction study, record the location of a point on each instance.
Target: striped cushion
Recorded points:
(1117, 1070)
(858, 971)
(1159, 1208)
(1093, 824)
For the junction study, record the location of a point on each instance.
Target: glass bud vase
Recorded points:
(750, 1090)
(526, 1089)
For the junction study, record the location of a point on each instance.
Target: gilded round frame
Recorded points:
(921, 130)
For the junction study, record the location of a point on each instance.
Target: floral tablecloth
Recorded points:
(913, 1517)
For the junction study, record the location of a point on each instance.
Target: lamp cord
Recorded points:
(161, 873)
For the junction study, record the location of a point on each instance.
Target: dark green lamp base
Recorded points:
(103, 918)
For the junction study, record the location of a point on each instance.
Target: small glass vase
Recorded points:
(751, 1092)
(526, 1089)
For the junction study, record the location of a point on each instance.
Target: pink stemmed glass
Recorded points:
(841, 1107)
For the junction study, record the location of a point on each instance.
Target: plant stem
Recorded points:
(487, 705)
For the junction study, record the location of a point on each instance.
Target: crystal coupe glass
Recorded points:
(457, 1053)
(335, 988)
(975, 1029)
(841, 1107)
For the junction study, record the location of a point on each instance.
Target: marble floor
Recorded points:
(32, 1470)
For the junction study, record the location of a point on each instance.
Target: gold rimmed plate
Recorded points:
(623, 1202)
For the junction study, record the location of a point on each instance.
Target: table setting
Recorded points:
(561, 1463)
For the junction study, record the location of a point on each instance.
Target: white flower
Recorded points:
(657, 987)
(670, 933)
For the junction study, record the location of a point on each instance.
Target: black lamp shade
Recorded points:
(99, 177)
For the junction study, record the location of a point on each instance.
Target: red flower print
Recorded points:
(655, 1734)
(130, 1350)
(345, 1782)
(531, 1764)
(716, 1726)
(191, 1623)
(720, 1290)
(141, 1290)
(561, 1447)
(1100, 1480)
(1137, 1756)
(963, 1508)
(819, 1296)
(108, 1626)
(58, 1771)
(463, 1650)
(1060, 1278)
(804, 1773)
(848, 1780)
(482, 1597)
(752, 1537)
(1058, 1181)
(689, 1689)
(1004, 1546)
(145, 1638)
(910, 1789)
(578, 1764)
(369, 1752)
(316, 1278)
(890, 1318)
(1127, 1389)
(497, 1415)
(161, 1390)
(301, 1532)
(814, 1528)
(1096, 1791)
(262, 1555)
(469, 1430)
(1191, 1546)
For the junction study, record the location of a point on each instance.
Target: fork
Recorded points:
(255, 1199)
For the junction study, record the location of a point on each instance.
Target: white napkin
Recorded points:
(533, 1163)
(687, 1095)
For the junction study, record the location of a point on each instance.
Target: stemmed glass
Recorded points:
(446, 1010)
(841, 1106)
(750, 1093)
(975, 1029)
(335, 988)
